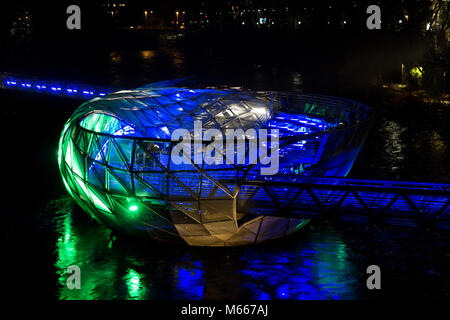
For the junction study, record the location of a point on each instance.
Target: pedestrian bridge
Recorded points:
(392, 202)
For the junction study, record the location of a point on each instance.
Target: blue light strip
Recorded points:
(78, 91)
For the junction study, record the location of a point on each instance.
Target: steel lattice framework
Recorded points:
(115, 160)
(392, 202)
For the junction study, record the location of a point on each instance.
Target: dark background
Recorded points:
(408, 142)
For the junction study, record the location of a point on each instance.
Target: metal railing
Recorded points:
(391, 202)
(58, 88)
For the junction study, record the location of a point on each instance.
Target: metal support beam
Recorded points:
(395, 202)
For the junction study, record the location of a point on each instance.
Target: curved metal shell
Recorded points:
(114, 158)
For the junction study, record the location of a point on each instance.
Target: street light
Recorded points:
(145, 20)
(177, 13)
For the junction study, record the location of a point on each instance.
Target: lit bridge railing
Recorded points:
(13, 81)
(390, 202)
(58, 88)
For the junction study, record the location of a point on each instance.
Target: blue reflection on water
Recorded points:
(318, 268)
(189, 279)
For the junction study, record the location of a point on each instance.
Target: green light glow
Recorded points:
(67, 187)
(74, 247)
(94, 198)
(136, 288)
(157, 202)
(99, 203)
(100, 122)
(78, 155)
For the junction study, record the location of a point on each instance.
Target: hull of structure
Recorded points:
(114, 158)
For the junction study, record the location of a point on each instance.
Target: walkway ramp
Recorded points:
(391, 202)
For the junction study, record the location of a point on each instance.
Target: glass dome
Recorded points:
(115, 159)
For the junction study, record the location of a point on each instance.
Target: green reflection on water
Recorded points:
(82, 246)
(335, 271)
(318, 265)
(136, 289)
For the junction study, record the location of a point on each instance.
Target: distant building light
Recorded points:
(428, 26)
(262, 20)
(400, 21)
(299, 22)
(243, 22)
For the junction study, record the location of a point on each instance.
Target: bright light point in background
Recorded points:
(133, 208)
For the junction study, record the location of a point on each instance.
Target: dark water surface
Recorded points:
(44, 232)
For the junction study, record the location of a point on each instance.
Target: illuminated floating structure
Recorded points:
(300, 190)
(114, 158)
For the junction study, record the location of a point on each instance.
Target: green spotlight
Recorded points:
(133, 208)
